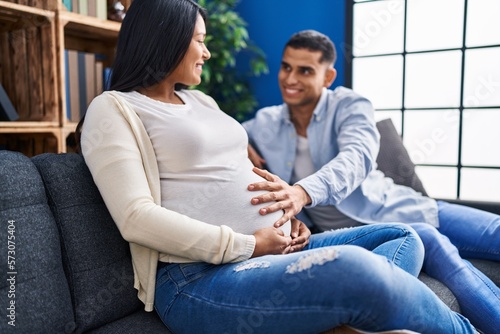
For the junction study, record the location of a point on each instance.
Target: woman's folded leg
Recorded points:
(397, 242)
(305, 292)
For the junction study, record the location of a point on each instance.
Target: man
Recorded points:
(325, 143)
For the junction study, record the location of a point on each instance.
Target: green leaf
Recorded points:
(227, 35)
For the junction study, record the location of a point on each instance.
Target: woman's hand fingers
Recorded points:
(302, 239)
(270, 240)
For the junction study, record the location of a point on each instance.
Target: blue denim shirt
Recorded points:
(344, 142)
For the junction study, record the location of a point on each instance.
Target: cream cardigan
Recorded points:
(121, 159)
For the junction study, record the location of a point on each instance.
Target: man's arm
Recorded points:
(352, 130)
(358, 143)
(255, 157)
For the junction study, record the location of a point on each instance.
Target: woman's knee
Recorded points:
(401, 230)
(411, 237)
(409, 232)
(359, 263)
(372, 278)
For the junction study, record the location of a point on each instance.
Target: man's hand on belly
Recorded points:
(290, 199)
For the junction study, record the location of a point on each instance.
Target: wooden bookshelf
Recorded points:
(33, 39)
(13, 14)
(88, 34)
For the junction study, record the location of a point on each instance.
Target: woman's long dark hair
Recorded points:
(153, 39)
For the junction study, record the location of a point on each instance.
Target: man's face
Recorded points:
(302, 77)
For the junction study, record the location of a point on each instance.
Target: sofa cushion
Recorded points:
(393, 158)
(34, 292)
(441, 291)
(488, 267)
(96, 258)
(139, 322)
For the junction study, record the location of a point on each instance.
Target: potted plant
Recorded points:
(227, 37)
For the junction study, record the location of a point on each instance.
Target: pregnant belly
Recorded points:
(223, 203)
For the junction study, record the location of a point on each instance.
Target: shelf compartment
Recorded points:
(15, 16)
(32, 70)
(87, 28)
(32, 142)
(89, 34)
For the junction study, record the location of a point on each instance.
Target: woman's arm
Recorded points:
(112, 153)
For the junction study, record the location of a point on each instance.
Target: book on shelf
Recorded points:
(66, 84)
(85, 79)
(95, 8)
(74, 87)
(83, 7)
(107, 78)
(82, 86)
(99, 76)
(7, 110)
(92, 8)
(68, 4)
(102, 10)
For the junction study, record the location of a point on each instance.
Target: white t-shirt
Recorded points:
(203, 161)
(323, 217)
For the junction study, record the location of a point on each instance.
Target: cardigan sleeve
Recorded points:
(112, 152)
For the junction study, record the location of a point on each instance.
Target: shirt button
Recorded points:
(289, 164)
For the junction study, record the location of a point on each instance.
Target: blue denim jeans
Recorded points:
(471, 233)
(332, 282)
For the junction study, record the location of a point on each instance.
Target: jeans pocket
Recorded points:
(193, 271)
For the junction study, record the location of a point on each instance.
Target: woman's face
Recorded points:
(189, 70)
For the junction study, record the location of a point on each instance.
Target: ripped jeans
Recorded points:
(330, 283)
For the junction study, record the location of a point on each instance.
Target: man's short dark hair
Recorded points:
(314, 41)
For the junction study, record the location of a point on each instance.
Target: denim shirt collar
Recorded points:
(318, 112)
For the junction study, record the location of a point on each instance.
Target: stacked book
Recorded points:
(96, 8)
(86, 77)
(85, 74)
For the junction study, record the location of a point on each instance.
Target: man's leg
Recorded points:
(474, 232)
(478, 296)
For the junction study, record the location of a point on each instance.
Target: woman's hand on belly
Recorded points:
(290, 199)
(300, 234)
(271, 240)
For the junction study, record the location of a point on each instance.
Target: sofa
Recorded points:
(65, 266)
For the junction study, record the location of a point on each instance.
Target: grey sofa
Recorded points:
(73, 272)
(65, 267)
